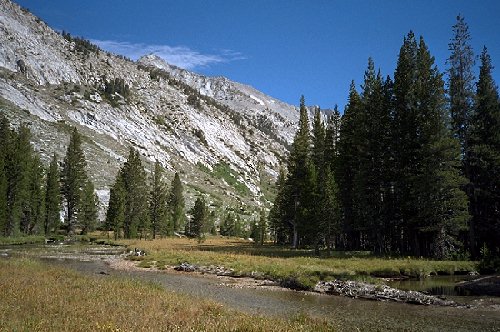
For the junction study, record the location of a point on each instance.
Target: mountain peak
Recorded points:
(156, 61)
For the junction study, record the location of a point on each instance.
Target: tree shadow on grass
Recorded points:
(271, 250)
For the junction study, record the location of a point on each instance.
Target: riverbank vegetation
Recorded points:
(299, 267)
(33, 300)
(31, 239)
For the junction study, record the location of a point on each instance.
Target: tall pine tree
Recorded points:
(158, 202)
(278, 215)
(461, 82)
(372, 180)
(199, 217)
(404, 133)
(347, 168)
(73, 178)
(299, 178)
(34, 211)
(19, 163)
(443, 207)
(431, 207)
(115, 214)
(136, 221)
(332, 136)
(484, 161)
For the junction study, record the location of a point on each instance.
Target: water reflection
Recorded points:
(435, 285)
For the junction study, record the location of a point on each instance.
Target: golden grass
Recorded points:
(279, 263)
(36, 297)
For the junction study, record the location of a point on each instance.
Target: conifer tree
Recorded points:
(227, 226)
(136, 214)
(461, 81)
(280, 212)
(443, 204)
(316, 178)
(484, 161)
(199, 214)
(332, 136)
(34, 211)
(254, 230)
(372, 179)
(318, 141)
(52, 198)
(18, 171)
(176, 204)
(87, 214)
(431, 208)
(405, 136)
(329, 210)
(73, 178)
(158, 202)
(115, 214)
(329, 201)
(348, 166)
(299, 177)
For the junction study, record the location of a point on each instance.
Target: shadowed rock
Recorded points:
(489, 285)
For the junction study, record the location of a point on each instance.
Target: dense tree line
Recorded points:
(142, 208)
(408, 169)
(32, 196)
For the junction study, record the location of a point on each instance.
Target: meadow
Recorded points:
(284, 264)
(39, 297)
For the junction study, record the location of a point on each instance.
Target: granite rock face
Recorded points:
(189, 122)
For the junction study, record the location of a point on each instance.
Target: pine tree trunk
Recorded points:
(295, 242)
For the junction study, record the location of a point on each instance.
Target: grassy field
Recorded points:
(279, 263)
(37, 297)
(32, 239)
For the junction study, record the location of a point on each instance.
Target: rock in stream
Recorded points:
(355, 289)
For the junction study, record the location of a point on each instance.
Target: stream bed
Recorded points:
(348, 314)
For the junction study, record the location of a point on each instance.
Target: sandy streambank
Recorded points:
(229, 281)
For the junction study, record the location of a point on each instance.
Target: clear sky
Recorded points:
(284, 48)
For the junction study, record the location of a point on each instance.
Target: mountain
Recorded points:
(225, 138)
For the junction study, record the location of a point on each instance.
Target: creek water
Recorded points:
(347, 314)
(435, 285)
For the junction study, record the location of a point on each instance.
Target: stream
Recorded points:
(348, 314)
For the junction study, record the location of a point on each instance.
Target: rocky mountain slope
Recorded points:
(227, 139)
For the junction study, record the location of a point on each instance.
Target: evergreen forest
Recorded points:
(411, 167)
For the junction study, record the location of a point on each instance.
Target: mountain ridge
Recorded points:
(56, 81)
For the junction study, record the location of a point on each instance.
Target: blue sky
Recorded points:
(284, 48)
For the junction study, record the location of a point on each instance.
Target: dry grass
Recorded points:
(36, 297)
(280, 263)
